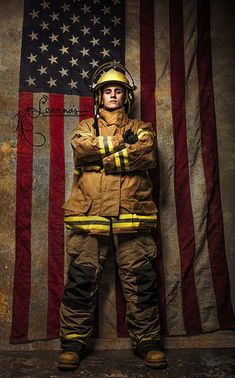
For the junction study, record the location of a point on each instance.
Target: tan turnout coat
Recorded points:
(111, 182)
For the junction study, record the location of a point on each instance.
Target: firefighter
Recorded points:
(111, 202)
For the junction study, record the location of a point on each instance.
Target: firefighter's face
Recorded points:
(113, 97)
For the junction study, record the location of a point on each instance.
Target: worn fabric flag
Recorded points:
(166, 45)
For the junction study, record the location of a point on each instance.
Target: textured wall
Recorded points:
(223, 35)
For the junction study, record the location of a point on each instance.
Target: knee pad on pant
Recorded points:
(81, 286)
(146, 283)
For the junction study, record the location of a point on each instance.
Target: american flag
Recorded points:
(166, 45)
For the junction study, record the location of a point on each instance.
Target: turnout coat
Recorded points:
(111, 186)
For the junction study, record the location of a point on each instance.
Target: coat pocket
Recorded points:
(79, 207)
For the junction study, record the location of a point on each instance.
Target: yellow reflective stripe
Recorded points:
(110, 144)
(135, 221)
(105, 145)
(117, 161)
(125, 159)
(88, 227)
(87, 223)
(142, 132)
(75, 335)
(75, 218)
(101, 145)
(130, 216)
(77, 172)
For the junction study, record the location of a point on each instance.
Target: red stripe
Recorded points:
(148, 113)
(215, 232)
(85, 108)
(184, 214)
(22, 276)
(55, 217)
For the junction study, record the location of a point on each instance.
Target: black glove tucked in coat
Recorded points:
(129, 137)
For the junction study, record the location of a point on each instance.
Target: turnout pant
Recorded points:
(134, 255)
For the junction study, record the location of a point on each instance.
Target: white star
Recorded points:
(54, 16)
(84, 74)
(73, 62)
(54, 37)
(85, 9)
(53, 59)
(75, 18)
(42, 70)
(105, 9)
(65, 7)
(73, 84)
(64, 50)
(63, 72)
(51, 82)
(95, 20)
(43, 47)
(34, 14)
(33, 35)
(115, 42)
(105, 30)
(94, 63)
(73, 40)
(84, 51)
(94, 41)
(44, 25)
(85, 30)
(65, 28)
(116, 2)
(32, 58)
(45, 5)
(116, 20)
(30, 81)
(105, 52)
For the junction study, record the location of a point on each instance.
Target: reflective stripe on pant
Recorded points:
(134, 253)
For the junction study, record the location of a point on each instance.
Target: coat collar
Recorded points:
(117, 117)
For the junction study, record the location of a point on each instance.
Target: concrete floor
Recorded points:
(182, 363)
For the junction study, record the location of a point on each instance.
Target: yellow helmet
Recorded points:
(112, 73)
(112, 77)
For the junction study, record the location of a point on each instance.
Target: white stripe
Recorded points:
(169, 234)
(39, 230)
(223, 36)
(202, 269)
(132, 49)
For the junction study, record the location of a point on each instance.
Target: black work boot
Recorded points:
(69, 359)
(152, 354)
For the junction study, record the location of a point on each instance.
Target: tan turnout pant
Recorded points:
(134, 255)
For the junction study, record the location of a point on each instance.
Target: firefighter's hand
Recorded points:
(129, 137)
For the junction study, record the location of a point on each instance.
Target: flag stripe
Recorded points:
(39, 223)
(202, 271)
(132, 49)
(148, 113)
(182, 189)
(167, 211)
(215, 233)
(22, 275)
(55, 217)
